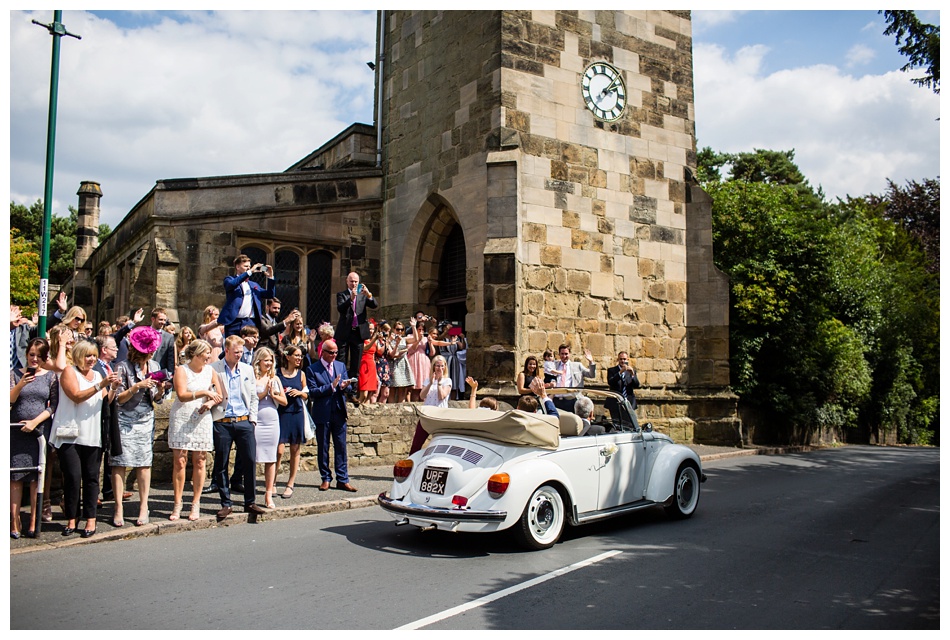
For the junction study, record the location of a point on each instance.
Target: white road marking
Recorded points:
(448, 613)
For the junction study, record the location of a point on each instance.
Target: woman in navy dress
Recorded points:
(292, 415)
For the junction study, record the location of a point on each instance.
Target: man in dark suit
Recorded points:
(352, 328)
(166, 356)
(623, 378)
(271, 327)
(242, 305)
(326, 381)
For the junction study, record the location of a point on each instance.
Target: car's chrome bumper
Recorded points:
(436, 513)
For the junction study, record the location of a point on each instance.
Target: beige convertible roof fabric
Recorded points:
(508, 427)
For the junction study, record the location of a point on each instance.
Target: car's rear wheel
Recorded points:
(685, 492)
(542, 522)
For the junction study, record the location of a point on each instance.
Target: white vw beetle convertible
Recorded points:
(489, 470)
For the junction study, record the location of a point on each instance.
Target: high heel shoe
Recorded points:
(141, 522)
(68, 531)
(87, 533)
(15, 535)
(47, 511)
(195, 512)
(176, 512)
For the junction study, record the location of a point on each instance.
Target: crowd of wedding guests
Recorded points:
(249, 378)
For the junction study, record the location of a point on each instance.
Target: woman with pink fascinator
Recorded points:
(141, 385)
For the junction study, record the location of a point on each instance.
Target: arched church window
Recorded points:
(452, 290)
(319, 274)
(287, 276)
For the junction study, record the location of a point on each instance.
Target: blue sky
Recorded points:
(146, 96)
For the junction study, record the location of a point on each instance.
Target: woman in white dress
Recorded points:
(270, 393)
(197, 389)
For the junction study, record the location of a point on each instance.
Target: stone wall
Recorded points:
(440, 118)
(603, 225)
(175, 249)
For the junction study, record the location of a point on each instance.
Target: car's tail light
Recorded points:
(498, 484)
(459, 501)
(402, 469)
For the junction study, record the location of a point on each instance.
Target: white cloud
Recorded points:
(859, 55)
(850, 134)
(218, 94)
(703, 20)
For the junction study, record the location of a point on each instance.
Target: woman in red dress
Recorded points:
(368, 378)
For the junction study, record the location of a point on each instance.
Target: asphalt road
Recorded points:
(834, 539)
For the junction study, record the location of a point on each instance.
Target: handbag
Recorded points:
(309, 428)
(67, 430)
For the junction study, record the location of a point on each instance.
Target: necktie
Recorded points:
(355, 321)
(564, 381)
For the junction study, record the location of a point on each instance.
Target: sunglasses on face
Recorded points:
(327, 351)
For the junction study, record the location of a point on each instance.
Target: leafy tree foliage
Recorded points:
(24, 274)
(62, 251)
(916, 208)
(834, 317)
(920, 42)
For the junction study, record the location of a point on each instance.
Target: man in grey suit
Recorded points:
(234, 420)
(571, 374)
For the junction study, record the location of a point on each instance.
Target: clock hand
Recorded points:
(610, 87)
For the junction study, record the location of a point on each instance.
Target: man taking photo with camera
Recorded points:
(243, 298)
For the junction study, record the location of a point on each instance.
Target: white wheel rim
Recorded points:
(687, 490)
(545, 515)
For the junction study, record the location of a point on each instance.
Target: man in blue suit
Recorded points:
(242, 305)
(326, 381)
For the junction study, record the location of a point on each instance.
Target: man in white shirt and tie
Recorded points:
(571, 374)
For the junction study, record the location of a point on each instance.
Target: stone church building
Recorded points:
(530, 178)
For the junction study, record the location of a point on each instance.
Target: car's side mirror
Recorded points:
(648, 427)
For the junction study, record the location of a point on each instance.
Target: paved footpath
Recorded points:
(307, 500)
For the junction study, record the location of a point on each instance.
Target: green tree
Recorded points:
(24, 274)
(916, 208)
(29, 223)
(920, 42)
(834, 319)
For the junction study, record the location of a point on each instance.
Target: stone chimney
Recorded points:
(87, 230)
(87, 239)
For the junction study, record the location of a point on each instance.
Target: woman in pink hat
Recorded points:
(140, 386)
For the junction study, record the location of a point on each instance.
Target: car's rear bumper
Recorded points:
(412, 510)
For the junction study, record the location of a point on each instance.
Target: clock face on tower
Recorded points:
(603, 91)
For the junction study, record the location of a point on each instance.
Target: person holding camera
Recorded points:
(243, 298)
(353, 329)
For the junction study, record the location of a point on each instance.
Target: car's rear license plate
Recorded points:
(433, 480)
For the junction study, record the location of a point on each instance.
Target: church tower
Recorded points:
(538, 189)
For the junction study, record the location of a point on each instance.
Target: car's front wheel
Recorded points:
(685, 493)
(542, 522)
